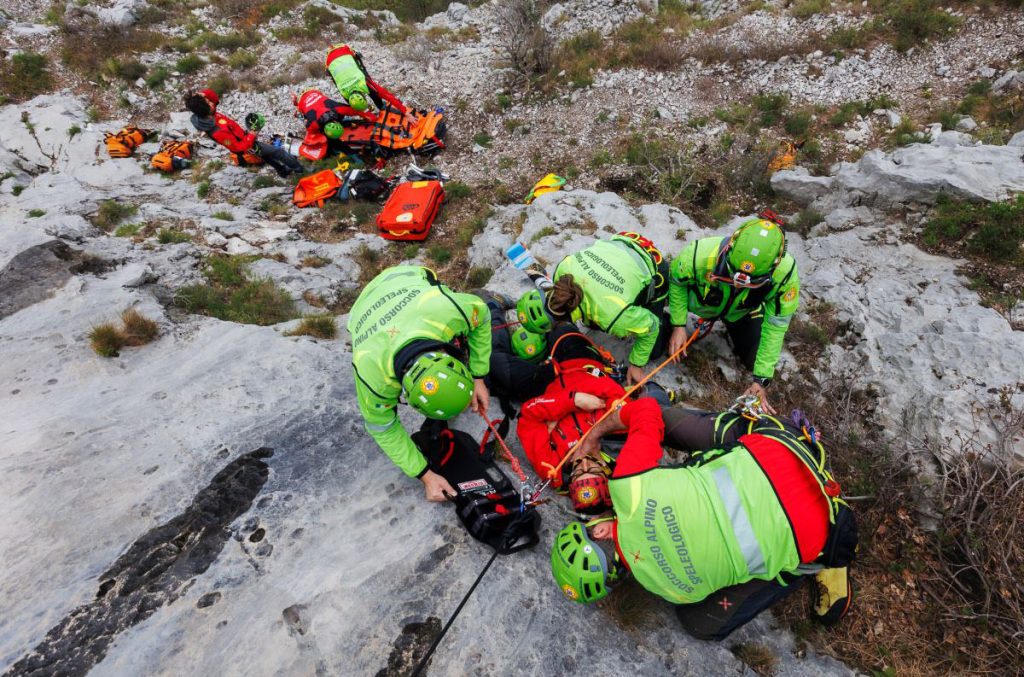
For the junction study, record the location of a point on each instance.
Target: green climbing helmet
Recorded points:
(438, 385)
(357, 101)
(533, 312)
(756, 248)
(334, 130)
(580, 567)
(528, 345)
(255, 121)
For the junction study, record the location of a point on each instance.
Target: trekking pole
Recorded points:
(700, 331)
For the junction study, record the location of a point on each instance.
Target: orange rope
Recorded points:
(513, 461)
(553, 473)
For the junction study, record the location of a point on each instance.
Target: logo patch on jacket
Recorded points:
(789, 295)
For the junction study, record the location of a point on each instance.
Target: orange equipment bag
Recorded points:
(315, 189)
(420, 132)
(172, 155)
(410, 210)
(124, 143)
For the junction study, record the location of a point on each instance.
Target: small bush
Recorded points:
(231, 294)
(457, 191)
(482, 139)
(231, 41)
(906, 133)
(317, 326)
(913, 22)
(190, 63)
(803, 9)
(770, 108)
(264, 181)
(522, 40)
(36, 213)
(757, 657)
(314, 261)
(127, 230)
(111, 213)
(138, 329)
(130, 70)
(440, 253)
(222, 83)
(993, 231)
(242, 60)
(24, 76)
(223, 215)
(157, 78)
(479, 276)
(798, 123)
(172, 236)
(202, 189)
(106, 340)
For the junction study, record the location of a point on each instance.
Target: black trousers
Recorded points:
(722, 612)
(281, 160)
(745, 337)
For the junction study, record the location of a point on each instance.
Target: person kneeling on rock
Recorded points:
(749, 282)
(242, 143)
(724, 536)
(414, 337)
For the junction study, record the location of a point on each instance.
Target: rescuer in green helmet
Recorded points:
(748, 281)
(413, 337)
(724, 535)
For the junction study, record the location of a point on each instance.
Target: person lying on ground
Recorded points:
(414, 337)
(749, 282)
(346, 68)
(616, 286)
(245, 148)
(327, 116)
(724, 536)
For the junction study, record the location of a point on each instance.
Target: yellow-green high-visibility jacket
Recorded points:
(691, 291)
(404, 304)
(615, 276)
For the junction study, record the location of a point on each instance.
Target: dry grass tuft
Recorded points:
(136, 330)
(106, 340)
(317, 326)
(757, 657)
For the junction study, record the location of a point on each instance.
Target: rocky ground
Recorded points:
(210, 502)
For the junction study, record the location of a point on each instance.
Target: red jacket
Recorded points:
(230, 134)
(797, 489)
(313, 105)
(545, 448)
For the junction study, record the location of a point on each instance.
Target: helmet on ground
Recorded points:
(533, 312)
(527, 344)
(357, 101)
(333, 130)
(756, 247)
(438, 385)
(255, 121)
(580, 566)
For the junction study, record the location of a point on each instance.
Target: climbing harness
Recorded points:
(748, 406)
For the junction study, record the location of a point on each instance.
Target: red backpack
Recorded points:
(410, 210)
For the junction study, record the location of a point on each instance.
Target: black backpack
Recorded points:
(487, 502)
(363, 184)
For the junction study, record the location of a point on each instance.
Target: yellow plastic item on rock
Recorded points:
(784, 159)
(548, 184)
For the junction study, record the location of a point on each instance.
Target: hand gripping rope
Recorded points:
(703, 327)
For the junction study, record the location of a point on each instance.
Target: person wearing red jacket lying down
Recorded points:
(551, 424)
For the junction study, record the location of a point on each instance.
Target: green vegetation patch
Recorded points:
(993, 231)
(232, 294)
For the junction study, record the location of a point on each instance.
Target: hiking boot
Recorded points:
(831, 595)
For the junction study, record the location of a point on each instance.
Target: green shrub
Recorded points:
(503, 100)
(482, 139)
(111, 213)
(440, 254)
(222, 83)
(912, 22)
(457, 191)
(172, 236)
(479, 276)
(770, 108)
(231, 294)
(318, 326)
(264, 181)
(848, 38)
(993, 231)
(223, 215)
(36, 213)
(798, 123)
(803, 9)
(242, 60)
(130, 70)
(231, 41)
(24, 76)
(157, 78)
(127, 230)
(202, 189)
(190, 63)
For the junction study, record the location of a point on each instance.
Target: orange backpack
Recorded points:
(123, 143)
(172, 155)
(315, 189)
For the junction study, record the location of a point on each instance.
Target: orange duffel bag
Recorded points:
(315, 189)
